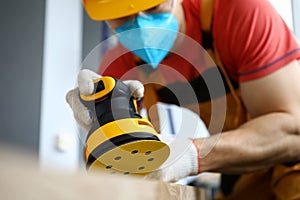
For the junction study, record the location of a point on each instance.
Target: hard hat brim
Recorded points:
(113, 9)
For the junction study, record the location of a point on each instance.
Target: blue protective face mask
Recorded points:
(150, 37)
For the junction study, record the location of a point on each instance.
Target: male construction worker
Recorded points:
(258, 59)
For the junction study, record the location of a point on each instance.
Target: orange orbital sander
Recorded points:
(120, 140)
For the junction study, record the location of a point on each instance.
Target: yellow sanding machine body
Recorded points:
(120, 140)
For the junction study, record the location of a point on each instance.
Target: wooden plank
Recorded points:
(21, 178)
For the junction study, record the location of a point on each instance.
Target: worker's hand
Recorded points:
(183, 161)
(85, 79)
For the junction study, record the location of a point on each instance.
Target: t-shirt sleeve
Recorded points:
(252, 39)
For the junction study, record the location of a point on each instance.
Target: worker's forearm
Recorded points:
(262, 142)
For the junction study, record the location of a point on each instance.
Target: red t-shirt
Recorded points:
(250, 37)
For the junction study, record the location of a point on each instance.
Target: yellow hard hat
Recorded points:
(112, 9)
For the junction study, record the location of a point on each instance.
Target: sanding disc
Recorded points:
(139, 157)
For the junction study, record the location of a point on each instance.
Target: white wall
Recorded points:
(61, 63)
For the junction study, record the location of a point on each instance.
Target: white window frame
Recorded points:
(296, 17)
(59, 143)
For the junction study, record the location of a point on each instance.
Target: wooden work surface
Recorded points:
(21, 179)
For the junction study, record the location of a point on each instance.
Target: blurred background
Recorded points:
(43, 43)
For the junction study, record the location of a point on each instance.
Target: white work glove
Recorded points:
(183, 161)
(86, 87)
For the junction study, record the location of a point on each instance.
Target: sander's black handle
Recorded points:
(110, 101)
